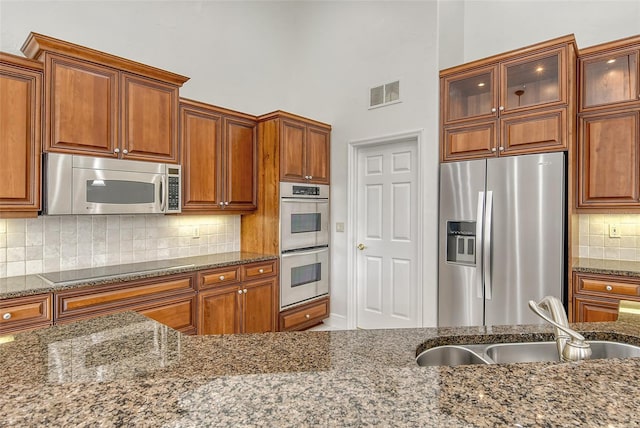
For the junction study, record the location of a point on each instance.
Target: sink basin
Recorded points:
(449, 355)
(521, 352)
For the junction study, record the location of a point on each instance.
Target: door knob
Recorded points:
(361, 247)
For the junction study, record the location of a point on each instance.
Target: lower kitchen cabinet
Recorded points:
(304, 316)
(238, 299)
(596, 297)
(25, 313)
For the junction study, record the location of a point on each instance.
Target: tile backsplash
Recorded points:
(54, 243)
(595, 242)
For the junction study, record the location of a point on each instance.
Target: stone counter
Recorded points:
(607, 267)
(125, 370)
(27, 285)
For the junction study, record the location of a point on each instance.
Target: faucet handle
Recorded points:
(539, 311)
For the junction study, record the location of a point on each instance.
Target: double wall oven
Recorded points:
(304, 242)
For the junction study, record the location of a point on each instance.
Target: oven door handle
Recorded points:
(305, 253)
(307, 200)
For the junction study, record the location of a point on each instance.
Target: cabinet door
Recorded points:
(609, 79)
(318, 155)
(533, 133)
(292, 151)
(149, 120)
(594, 310)
(470, 95)
(240, 164)
(178, 313)
(201, 140)
(258, 309)
(535, 81)
(219, 311)
(81, 107)
(609, 160)
(470, 141)
(20, 139)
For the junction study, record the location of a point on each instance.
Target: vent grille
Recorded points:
(383, 95)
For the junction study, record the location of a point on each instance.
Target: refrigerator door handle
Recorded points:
(479, 241)
(486, 250)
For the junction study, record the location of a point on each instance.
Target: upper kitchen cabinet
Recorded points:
(513, 103)
(610, 75)
(219, 159)
(20, 136)
(608, 150)
(99, 104)
(304, 149)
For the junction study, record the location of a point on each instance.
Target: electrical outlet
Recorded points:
(339, 227)
(614, 231)
(196, 232)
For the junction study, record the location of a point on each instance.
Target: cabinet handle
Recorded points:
(493, 110)
(117, 150)
(260, 270)
(125, 151)
(501, 108)
(6, 316)
(609, 288)
(307, 316)
(221, 277)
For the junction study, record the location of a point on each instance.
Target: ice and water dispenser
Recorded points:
(461, 242)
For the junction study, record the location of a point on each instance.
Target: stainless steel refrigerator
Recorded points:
(501, 238)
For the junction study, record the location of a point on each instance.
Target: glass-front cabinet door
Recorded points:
(470, 95)
(533, 81)
(610, 78)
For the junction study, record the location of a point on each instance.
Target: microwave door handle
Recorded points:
(162, 194)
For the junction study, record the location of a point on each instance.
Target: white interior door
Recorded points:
(387, 236)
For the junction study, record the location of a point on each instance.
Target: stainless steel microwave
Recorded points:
(90, 185)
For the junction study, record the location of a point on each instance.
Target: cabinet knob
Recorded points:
(501, 108)
(226, 203)
(501, 149)
(221, 277)
(307, 316)
(6, 316)
(609, 288)
(260, 270)
(493, 110)
(493, 149)
(221, 204)
(245, 291)
(239, 291)
(117, 150)
(125, 151)
(311, 177)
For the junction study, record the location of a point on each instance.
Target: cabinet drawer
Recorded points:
(23, 313)
(177, 313)
(304, 316)
(225, 276)
(601, 286)
(97, 300)
(259, 270)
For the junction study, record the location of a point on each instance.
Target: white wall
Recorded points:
(496, 26)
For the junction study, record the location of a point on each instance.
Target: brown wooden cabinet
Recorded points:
(20, 136)
(596, 297)
(238, 299)
(608, 153)
(514, 103)
(304, 150)
(304, 316)
(219, 159)
(25, 313)
(167, 299)
(101, 105)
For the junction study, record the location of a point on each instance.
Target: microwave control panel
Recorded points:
(173, 197)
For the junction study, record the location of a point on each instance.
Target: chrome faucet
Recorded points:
(571, 344)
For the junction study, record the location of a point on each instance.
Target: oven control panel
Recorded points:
(306, 190)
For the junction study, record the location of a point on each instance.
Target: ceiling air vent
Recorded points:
(383, 95)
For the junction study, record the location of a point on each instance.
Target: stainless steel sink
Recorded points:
(450, 355)
(521, 352)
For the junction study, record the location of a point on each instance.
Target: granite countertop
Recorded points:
(606, 267)
(126, 370)
(27, 285)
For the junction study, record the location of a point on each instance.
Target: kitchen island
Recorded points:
(127, 370)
